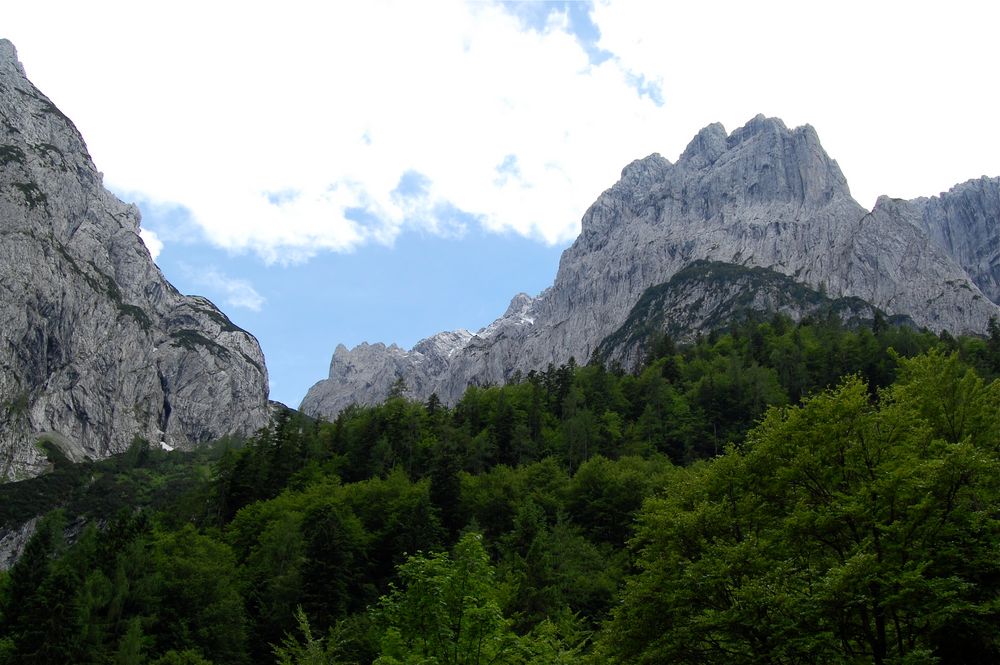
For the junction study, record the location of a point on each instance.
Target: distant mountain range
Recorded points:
(96, 347)
(759, 219)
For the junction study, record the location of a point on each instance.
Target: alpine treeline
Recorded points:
(776, 493)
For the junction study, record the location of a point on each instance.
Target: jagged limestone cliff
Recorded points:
(964, 222)
(763, 196)
(96, 347)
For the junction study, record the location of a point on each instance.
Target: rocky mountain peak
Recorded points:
(8, 58)
(643, 173)
(761, 163)
(706, 147)
(637, 179)
(759, 125)
(765, 161)
(519, 305)
(764, 196)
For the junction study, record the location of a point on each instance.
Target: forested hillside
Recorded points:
(777, 493)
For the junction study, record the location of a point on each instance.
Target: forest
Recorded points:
(774, 493)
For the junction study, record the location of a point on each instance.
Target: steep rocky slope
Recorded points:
(763, 196)
(96, 347)
(710, 295)
(964, 222)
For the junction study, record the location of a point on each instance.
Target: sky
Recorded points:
(369, 171)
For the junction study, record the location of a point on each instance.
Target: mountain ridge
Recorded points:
(707, 296)
(763, 196)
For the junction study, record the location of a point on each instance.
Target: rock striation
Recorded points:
(96, 347)
(762, 196)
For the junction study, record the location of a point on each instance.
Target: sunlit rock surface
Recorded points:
(96, 347)
(762, 196)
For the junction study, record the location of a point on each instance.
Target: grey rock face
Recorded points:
(97, 347)
(965, 223)
(763, 196)
(366, 373)
(14, 540)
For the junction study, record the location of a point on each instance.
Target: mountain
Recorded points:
(964, 222)
(710, 295)
(96, 347)
(763, 196)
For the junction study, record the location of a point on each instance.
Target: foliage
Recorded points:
(841, 531)
(310, 650)
(144, 476)
(773, 493)
(447, 610)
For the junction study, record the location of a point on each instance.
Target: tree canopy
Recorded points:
(775, 493)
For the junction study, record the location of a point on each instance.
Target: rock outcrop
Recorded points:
(366, 374)
(13, 540)
(763, 196)
(96, 347)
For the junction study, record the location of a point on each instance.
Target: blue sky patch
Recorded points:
(451, 221)
(281, 197)
(646, 88)
(535, 15)
(424, 284)
(507, 169)
(412, 184)
(362, 216)
(171, 223)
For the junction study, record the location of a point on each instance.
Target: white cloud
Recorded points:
(285, 130)
(222, 105)
(233, 291)
(152, 242)
(902, 94)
